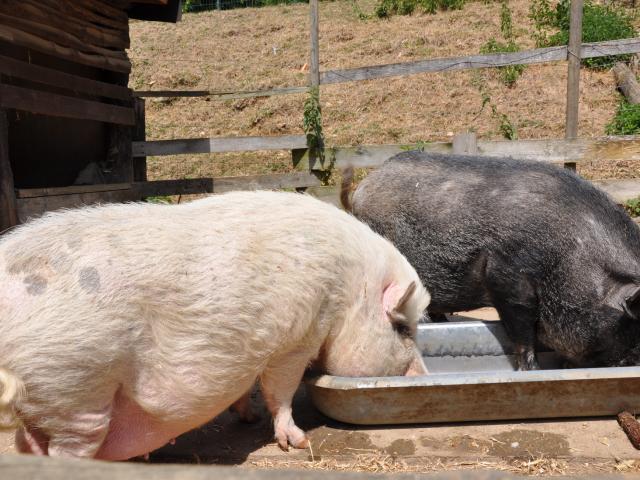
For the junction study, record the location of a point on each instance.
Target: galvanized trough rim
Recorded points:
(354, 383)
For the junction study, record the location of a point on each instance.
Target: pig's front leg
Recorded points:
(280, 380)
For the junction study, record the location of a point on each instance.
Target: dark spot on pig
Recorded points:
(23, 264)
(36, 285)
(89, 279)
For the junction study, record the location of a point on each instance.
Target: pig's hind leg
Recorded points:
(82, 434)
(280, 380)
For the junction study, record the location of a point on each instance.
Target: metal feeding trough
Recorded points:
(472, 377)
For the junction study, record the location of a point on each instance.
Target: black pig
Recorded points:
(554, 255)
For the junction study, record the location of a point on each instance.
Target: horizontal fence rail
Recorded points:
(217, 145)
(470, 62)
(546, 150)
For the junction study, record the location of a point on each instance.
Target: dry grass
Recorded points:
(267, 47)
(387, 464)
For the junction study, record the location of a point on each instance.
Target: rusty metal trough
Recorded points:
(472, 378)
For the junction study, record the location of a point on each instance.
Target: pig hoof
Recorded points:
(294, 437)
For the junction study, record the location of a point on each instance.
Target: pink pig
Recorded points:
(124, 326)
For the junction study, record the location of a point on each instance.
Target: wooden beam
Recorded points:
(72, 190)
(314, 56)
(55, 105)
(8, 207)
(217, 95)
(465, 144)
(28, 40)
(139, 135)
(90, 32)
(627, 83)
(620, 190)
(274, 181)
(540, 55)
(549, 150)
(216, 145)
(61, 37)
(573, 76)
(47, 76)
(33, 207)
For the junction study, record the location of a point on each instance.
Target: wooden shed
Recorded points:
(66, 114)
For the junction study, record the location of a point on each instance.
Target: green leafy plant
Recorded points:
(626, 120)
(632, 207)
(386, 8)
(505, 125)
(312, 125)
(312, 119)
(510, 73)
(599, 23)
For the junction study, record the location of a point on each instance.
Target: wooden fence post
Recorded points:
(465, 144)
(8, 210)
(314, 62)
(573, 77)
(139, 135)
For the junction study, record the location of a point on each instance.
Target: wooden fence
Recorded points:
(306, 164)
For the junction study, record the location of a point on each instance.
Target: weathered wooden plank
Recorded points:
(45, 103)
(61, 37)
(225, 184)
(547, 150)
(28, 40)
(465, 144)
(77, 10)
(74, 189)
(329, 194)
(314, 37)
(90, 32)
(564, 151)
(611, 47)
(140, 135)
(8, 208)
(361, 156)
(34, 207)
(620, 190)
(163, 188)
(47, 76)
(120, 155)
(31, 467)
(217, 95)
(104, 10)
(540, 55)
(216, 145)
(627, 83)
(573, 74)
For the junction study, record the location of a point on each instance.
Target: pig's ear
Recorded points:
(395, 303)
(631, 304)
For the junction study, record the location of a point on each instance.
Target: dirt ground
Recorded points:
(246, 49)
(577, 446)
